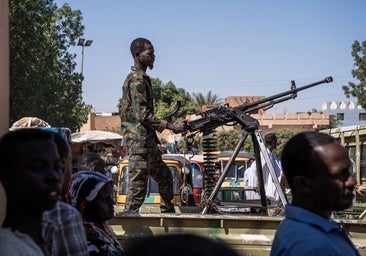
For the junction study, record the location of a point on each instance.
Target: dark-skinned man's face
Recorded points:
(36, 175)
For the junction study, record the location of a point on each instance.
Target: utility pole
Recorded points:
(83, 43)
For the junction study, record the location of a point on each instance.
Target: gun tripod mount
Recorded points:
(222, 115)
(250, 126)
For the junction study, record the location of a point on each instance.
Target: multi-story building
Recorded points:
(346, 112)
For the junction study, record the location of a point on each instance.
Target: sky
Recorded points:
(228, 47)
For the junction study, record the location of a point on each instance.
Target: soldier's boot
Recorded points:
(167, 209)
(166, 203)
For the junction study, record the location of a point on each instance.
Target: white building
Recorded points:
(347, 112)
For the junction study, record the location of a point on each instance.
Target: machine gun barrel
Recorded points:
(222, 115)
(293, 92)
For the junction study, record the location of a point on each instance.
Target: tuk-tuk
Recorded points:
(181, 170)
(235, 176)
(198, 169)
(233, 187)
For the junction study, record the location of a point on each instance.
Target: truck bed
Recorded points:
(249, 234)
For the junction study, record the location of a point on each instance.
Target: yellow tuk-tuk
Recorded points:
(233, 187)
(235, 176)
(181, 171)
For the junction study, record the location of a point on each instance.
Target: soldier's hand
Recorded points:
(178, 127)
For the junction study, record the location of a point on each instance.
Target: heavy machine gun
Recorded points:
(223, 115)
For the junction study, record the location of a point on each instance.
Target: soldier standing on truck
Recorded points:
(139, 126)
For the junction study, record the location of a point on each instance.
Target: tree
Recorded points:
(283, 136)
(166, 97)
(199, 100)
(227, 140)
(334, 122)
(43, 81)
(314, 111)
(353, 89)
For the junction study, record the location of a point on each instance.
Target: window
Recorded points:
(340, 116)
(362, 116)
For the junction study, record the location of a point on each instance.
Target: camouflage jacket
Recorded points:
(139, 125)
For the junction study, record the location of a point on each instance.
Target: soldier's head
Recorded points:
(138, 45)
(142, 51)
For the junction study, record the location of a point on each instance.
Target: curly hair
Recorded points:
(138, 45)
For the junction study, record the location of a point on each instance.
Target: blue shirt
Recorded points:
(305, 233)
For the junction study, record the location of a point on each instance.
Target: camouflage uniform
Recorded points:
(139, 126)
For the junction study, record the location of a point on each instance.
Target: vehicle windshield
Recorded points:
(236, 171)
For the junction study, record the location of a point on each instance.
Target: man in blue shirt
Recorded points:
(317, 169)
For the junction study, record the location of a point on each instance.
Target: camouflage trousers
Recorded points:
(140, 167)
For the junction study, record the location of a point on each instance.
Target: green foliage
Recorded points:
(314, 111)
(197, 143)
(353, 89)
(283, 136)
(334, 122)
(43, 81)
(199, 100)
(166, 97)
(227, 140)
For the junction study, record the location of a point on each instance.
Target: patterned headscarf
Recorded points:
(84, 187)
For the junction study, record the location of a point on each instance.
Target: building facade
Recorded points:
(347, 113)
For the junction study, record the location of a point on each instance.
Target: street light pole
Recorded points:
(83, 44)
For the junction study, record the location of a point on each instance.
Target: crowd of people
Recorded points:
(47, 210)
(44, 216)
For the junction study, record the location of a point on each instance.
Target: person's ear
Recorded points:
(302, 184)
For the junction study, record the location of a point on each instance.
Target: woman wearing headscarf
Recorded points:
(92, 194)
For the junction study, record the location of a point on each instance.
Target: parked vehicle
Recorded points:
(198, 168)
(233, 187)
(181, 170)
